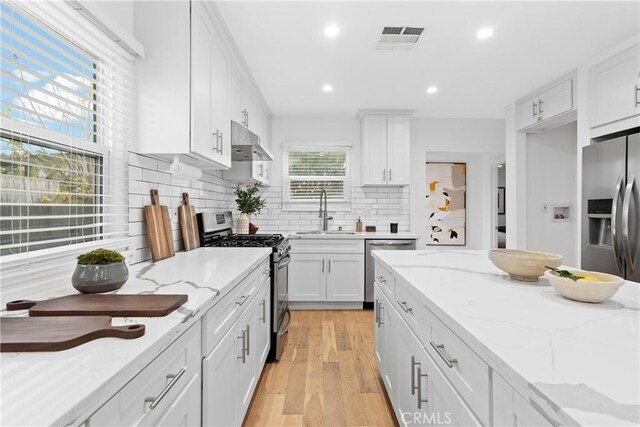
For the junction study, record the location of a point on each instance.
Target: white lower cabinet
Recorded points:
(431, 376)
(231, 370)
(166, 392)
(330, 270)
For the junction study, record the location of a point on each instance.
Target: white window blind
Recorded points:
(308, 170)
(67, 111)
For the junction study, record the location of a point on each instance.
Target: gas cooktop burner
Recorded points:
(247, 241)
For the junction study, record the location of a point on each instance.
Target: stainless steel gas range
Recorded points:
(216, 231)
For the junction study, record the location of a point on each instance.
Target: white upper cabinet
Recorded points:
(385, 150)
(183, 100)
(548, 104)
(614, 88)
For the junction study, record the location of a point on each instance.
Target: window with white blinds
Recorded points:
(308, 170)
(67, 109)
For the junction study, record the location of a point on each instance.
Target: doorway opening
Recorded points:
(500, 240)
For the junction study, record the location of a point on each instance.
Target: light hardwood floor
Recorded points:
(327, 376)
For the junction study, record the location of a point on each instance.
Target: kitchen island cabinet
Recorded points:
(106, 381)
(492, 351)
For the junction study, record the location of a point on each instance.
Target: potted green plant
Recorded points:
(249, 202)
(101, 270)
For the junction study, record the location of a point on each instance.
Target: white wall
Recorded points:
(478, 142)
(551, 180)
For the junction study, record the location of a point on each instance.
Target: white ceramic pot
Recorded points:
(243, 224)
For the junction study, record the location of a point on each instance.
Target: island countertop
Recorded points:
(64, 387)
(580, 362)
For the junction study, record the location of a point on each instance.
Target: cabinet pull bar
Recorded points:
(414, 387)
(380, 318)
(540, 107)
(243, 337)
(221, 143)
(381, 279)
(323, 265)
(377, 313)
(439, 348)
(248, 340)
(155, 401)
(264, 316)
(419, 397)
(390, 175)
(534, 109)
(405, 307)
(329, 265)
(637, 97)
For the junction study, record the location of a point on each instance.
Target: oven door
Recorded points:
(281, 291)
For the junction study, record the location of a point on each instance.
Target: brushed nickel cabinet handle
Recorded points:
(381, 279)
(377, 313)
(264, 315)
(243, 337)
(439, 348)
(248, 340)
(329, 265)
(414, 364)
(419, 389)
(534, 109)
(390, 175)
(380, 318)
(636, 95)
(540, 107)
(405, 307)
(155, 401)
(323, 265)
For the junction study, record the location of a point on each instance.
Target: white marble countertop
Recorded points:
(354, 235)
(578, 362)
(64, 387)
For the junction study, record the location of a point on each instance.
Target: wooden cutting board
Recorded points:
(59, 333)
(188, 224)
(158, 229)
(102, 305)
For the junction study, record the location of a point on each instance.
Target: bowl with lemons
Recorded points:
(584, 286)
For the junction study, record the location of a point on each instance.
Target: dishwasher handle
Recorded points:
(392, 244)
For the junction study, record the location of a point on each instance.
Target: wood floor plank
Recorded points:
(327, 375)
(333, 401)
(313, 409)
(294, 397)
(329, 351)
(354, 410)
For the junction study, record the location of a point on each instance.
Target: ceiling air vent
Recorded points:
(399, 38)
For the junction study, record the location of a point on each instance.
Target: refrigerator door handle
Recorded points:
(626, 205)
(614, 221)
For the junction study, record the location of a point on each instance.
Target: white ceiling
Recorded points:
(534, 42)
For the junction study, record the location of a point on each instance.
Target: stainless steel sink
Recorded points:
(326, 232)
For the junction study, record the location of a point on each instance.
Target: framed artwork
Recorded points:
(500, 200)
(446, 204)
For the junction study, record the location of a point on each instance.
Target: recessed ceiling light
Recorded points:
(331, 30)
(484, 33)
(327, 88)
(432, 89)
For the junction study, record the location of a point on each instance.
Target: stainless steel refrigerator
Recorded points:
(611, 206)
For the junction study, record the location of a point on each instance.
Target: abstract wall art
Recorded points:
(446, 204)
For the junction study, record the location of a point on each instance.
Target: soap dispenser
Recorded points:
(358, 225)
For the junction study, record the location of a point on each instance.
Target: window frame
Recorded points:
(343, 205)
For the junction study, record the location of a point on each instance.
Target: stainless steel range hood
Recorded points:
(245, 145)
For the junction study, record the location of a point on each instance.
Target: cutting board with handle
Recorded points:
(158, 229)
(102, 305)
(188, 224)
(59, 333)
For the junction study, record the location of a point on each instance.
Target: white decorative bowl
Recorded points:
(596, 287)
(525, 266)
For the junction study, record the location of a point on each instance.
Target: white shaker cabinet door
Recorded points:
(614, 89)
(414, 408)
(374, 150)
(235, 89)
(527, 113)
(556, 100)
(203, 140)
(220, 104)
(307, 277)
(345, 277)
(263, 326)
(185, 409)
(398, 150)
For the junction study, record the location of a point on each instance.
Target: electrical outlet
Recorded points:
(545, 208)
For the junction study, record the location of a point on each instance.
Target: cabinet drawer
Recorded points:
(413, 312)
(217, 321)
(385, 280)
(463, 368)
(327, 246)
(159, 385)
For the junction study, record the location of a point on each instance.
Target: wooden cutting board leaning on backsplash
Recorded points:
(188, 224)
(159, 229)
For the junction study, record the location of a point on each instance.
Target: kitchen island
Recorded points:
(67, 387)
(512, 353)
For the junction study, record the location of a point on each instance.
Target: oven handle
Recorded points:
(288, 323)
(284, 262)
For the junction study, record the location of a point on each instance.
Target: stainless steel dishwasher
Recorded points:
(369, 263)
